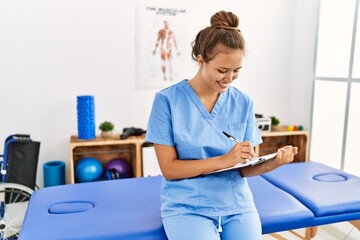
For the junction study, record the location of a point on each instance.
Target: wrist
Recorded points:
(223, 162)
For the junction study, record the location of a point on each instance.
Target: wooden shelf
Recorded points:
(272, 141)
(105, 149)
(130, 149)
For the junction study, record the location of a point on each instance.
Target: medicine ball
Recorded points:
(88, 169)
(120, 168)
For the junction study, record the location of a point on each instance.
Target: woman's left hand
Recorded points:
(285, 155)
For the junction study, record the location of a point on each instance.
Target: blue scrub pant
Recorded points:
(245, 226)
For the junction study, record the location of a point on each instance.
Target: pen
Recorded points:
(234, 139)
(230, 136)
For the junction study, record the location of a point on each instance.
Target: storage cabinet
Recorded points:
(106, 149)
(275, 140)
(130, 149)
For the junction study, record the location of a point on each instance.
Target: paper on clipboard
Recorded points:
(249, 162)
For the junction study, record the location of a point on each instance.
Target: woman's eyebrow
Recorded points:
(225, 68)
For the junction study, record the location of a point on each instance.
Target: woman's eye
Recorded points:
(221, 71)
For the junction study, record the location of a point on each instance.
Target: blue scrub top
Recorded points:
(179, 119)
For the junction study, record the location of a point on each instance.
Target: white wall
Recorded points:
(52, 51)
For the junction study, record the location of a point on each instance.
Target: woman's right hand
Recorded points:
(173, 168)
(239, 154)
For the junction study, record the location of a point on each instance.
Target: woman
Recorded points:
(186, 127)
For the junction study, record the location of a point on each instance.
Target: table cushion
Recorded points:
(116, 209)
(326, 191)
(278, 210)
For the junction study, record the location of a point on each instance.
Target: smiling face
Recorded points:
(222, 69)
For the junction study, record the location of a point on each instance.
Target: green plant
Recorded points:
(274, 121)
(106, 126)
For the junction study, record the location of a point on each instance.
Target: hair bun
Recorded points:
(222, 35)
(224, 19)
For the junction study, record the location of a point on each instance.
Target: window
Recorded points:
(335, 124)
(334, 38)
(352, 153)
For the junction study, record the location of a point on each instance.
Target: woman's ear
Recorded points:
(200, 60)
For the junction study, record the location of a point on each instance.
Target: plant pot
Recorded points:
(278, 128)
(107, 134)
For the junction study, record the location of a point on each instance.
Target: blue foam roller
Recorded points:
(86, 117)
(54, 173)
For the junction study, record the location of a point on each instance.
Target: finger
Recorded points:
(254, 155)
(283, 152)
(289, 157)
(288, 147)
(295, 150)
(247, 149)
(250, 151)
(246, 156)
(246, 144)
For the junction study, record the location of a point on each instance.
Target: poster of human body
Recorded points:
(161, 42)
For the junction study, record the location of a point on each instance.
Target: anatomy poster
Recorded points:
(162, 45)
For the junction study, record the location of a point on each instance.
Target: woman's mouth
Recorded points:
(223, 85)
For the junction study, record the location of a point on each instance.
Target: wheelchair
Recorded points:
(18, 166)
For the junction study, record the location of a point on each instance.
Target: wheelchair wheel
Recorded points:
(14, 200)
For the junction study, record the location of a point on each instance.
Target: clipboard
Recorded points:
(249, 162)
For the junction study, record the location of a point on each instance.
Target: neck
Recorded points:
(207, 96)
(201, 89)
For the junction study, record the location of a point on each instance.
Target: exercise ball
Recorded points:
(121, 166)
(88, 169)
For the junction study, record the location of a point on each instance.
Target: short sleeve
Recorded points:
(252, 133)
(159, 129)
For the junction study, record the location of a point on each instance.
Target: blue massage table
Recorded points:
(297, 195)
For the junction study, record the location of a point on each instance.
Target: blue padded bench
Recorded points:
(116, 209)
(278, 210)
(331, 194)
(296, 195)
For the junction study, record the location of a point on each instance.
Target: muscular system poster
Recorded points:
(162, 48)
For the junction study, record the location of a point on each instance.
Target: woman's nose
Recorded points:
(230, 76)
